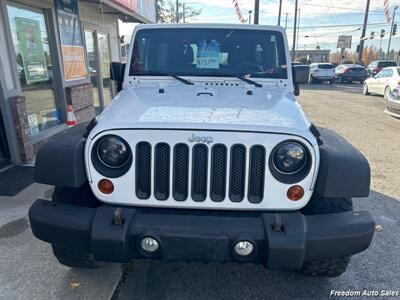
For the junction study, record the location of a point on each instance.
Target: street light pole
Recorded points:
(295, 30)
(391, 33)
(177, 11)
(363, 33)
(280, 13)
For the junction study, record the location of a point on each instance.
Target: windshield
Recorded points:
(209, 52)
(326, 66)
(385, 64)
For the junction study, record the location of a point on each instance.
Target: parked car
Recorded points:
(393, 103)
(322, 72)
(203, 158)
(383, 83)
(350, 73)
(376, 66)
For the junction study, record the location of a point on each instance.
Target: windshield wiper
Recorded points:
(185, 81)
(256, 84)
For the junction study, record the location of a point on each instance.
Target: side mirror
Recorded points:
(301, 73)
(117, 71)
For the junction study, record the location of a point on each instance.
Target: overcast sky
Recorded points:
(321, 21)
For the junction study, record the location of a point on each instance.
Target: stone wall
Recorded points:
(23, 134)
(81, 99)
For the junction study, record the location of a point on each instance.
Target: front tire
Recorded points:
(83, 197)
(365, 90)
(387, 92)
(328, 267)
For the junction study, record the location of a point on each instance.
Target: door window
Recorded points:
(34, 66)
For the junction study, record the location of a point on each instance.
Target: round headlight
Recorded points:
(290, 158)
(113, 152)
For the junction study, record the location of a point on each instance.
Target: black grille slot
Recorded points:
(161, 171)
(181, 172)
(238, 173)
(143, 170)
(218, 172)
(199, 172)
(256, 174)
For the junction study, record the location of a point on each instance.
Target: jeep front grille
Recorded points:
(209, 173)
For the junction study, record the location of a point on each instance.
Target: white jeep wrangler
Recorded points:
(204, 155)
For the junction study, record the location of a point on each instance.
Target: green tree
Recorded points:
(166, 11)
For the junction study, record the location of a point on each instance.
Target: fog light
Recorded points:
(244, 248)
(106, 186)
(149, 244)
(295, 193)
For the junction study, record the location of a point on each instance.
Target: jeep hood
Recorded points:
(203, 107)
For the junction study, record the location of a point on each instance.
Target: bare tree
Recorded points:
(166, 11)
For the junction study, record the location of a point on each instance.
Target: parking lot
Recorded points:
(359, 119)
(30, 270)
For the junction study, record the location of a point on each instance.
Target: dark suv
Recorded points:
(376, 66)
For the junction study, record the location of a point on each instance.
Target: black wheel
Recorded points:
(365, 90)
(84, 197)
(328, 267)
(73, 258)
(312, 79)
(340, 79)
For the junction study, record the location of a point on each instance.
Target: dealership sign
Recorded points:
(145, 8)
(344, 41)
(72, 48)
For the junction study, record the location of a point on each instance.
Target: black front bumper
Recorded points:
(282, 240)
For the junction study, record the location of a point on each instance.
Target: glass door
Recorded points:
(93, 63)
(31, 38)
(99, 61)
(105, 62)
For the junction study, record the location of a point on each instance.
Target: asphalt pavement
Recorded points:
(29, 270)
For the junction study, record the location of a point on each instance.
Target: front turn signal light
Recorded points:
(295, 193)
(106, 186)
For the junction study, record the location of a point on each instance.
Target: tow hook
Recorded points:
(117, 217)
(277, 226)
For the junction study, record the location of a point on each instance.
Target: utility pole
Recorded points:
(298, 31)
(177, 11)
(256, 11)
(286, 21)
(363, 33)
(391, 33)
(183, 12)
(295, 30)
(280, 13)
(250, 11)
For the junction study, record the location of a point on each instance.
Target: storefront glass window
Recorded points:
(34, 65)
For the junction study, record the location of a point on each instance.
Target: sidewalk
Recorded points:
(28, 267)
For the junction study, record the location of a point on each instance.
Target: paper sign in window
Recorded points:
(208, 55)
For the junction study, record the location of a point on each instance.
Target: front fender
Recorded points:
(344, 172)
(60, 162)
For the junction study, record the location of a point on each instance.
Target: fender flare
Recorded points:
(344, 172)
(61, 162)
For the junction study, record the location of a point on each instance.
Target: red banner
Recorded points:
(129, 4)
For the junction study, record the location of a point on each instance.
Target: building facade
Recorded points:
(54, 53)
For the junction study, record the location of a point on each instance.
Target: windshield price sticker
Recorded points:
(208, 54)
